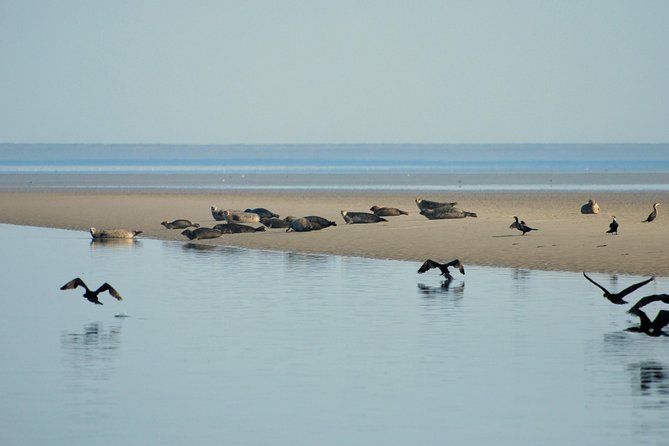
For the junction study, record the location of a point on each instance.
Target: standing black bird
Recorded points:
(522, 226)
(646, 326)
(515, 224)
(443, 267)
(617, 298)
(90, 295)
(613, 226)
(652, 215)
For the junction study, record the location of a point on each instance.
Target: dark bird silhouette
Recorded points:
(613, 226)
(617, 298)
(652, 215)
(91, 295)
(646, 326)
(522, 226)
(515, 224)
(443, 267)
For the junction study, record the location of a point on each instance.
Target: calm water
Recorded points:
(232, 346)
(362, 166)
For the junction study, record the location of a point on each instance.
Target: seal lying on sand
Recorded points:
(113, 233)
(217, 213)
(427, 204)
(446, 212)
(275, 222)
(590, 208)
(263, 213)
(179, 224)
(235, 228)
(299, 225)
(92, 295)
(201, 233)
(387, 212)
(240, 217)
(318, 223)
(361, 217)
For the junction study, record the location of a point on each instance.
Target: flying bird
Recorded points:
(443, 267)
(646, 326)
(652, 215)
(91, 295)
(613, 226)
(617, 298)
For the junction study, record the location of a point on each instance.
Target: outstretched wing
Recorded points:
(106, 287)
(596, 284)
(458, 264)
(72, 284)
(631, 288)
(428, 265)
(648, 300)
(661, 320)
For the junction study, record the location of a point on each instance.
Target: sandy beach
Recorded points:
(566, 239)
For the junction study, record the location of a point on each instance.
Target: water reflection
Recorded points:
(115, 243)
(445, 289)
(92, 350)
(652, 378)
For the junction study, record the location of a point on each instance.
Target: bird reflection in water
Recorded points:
(446, 289)
(92, 350)
(653, 378)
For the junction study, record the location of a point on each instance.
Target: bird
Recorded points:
(515, 224)
(521, 226)
(443, 267)
(652, 215)
(617, 298)
(613, 226)
(646, 326)
(91, 295)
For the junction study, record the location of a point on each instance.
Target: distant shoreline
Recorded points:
(566, 240)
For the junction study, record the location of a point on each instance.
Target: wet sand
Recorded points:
(566, 239)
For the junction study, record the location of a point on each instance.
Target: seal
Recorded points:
(201, 233)
(361, 217)
(275, 222)
(263, 213)
(240, 217)
(179, 224)
(318, 223)
(113, 233)
(427, 204)
(387, 212)
(299, 225)
(445, 213)
(217, 213)
(235, 228)
(591, 207)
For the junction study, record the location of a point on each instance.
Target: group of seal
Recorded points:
(434, 210)
(646, 326)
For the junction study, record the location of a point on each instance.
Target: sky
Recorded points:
(312, 71)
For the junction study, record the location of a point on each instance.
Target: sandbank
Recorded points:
(566, 239)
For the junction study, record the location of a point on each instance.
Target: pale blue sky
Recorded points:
(334, 71)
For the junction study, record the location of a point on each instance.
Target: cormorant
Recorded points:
(617, 298)
(652, 215)
(91, 295)
(443, 267)
(646, 326)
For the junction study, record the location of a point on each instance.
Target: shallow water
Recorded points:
(231, 346)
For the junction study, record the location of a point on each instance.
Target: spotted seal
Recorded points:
(236, 228)
(361, 217)
(387, 212)
(201, 233)
(263, 213)
(445, 213)
(179, 224)
(591, 207)
(427, 204)
(113, 233)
